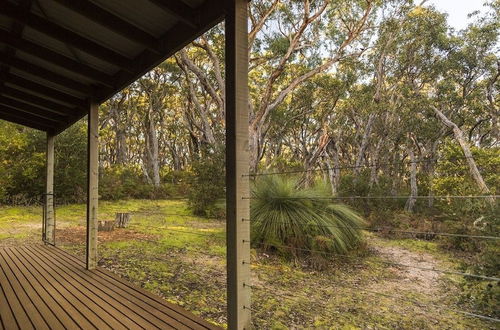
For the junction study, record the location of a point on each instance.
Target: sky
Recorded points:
(457, 10)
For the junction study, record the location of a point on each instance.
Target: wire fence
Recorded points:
(406, 299)
(396, 230)
(373, 292)
(360, 166)
(321, 252)
(383, 197)
(357, 259)
(375, 229)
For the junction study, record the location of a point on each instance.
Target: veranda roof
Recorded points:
(58, 55)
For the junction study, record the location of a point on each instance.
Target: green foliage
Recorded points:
(283, 215)
(123, 182)
(22, 161)
(454, 178)
(70, 172)
(482, 295)
(207, 186)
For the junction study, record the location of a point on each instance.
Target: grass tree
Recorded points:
(301, 222)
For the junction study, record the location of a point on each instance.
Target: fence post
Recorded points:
(237, 165)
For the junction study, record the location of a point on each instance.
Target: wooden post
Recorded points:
(92, 185)
(237, 166)
(50, 224)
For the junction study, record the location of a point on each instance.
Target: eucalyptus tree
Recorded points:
(289, 43)
(466, 96)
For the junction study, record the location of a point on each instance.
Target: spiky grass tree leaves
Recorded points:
(299, 221)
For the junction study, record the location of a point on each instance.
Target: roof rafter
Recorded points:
(16, 119)
(64, 35)
(179, 10)
(45, 74)
(54, 94)
(36, 100)
(31, 109)
(50, 56)
(9, 110)
(103, 17)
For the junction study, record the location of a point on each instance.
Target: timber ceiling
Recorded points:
(56, 55)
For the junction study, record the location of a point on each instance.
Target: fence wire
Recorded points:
(395, 230)
(483, 277)
(352, 167)
(383, 197)
(399, 298)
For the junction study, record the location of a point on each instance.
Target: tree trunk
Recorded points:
(333, 163)
(410, 203)
(364, 143)
(255, 148)
(459, 136)
(431, 169)
(153, 151)
(121, 147)
(374, 165)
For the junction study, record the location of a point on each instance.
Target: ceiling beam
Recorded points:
(44, 91)
(36, 100)
(23, 121)
(46, 74)
(104, 18)
(68, 37)
(33, 110)
(50, 56)
(181, 11)
(24, 115)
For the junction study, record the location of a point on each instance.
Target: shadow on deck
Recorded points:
(43, 287)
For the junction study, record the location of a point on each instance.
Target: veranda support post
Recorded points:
(237, 166)
(92, 185)
(48, 200)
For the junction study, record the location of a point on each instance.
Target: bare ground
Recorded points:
(418, 278)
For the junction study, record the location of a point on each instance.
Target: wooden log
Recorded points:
(106, 226)
(122, 220)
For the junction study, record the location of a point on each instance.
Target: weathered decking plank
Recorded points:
(100, 308)
(39, 297)
(51, 297)
(66, 296)
(145, 299)
(153, 315)
(6, 316)
(15, 304)
(120, 308)
(43, 287)
(32, 311)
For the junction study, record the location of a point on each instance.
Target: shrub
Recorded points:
(126, 181)
(284, 216)
(207, 186)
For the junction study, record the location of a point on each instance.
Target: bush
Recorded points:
(283, 216)
(122, 182)
(207, 186)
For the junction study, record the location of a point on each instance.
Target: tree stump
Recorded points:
(122, 220)
(106, 226)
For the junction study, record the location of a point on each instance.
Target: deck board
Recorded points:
(43, 287)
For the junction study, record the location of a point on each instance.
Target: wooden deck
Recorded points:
(43, 287)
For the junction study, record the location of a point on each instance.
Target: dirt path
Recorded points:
(417, 279)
